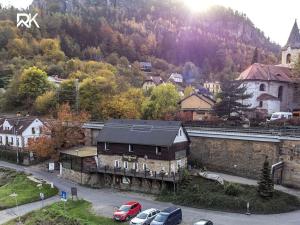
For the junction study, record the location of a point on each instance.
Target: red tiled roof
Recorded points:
(259, 71)
(266, 97)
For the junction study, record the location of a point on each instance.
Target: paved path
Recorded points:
(104, 200)
(242, 180)
(9, 214)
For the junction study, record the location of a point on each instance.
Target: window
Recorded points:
(261, 104)
(125, 165)
(288, 58)
(280, 93)
(6, 140)
(135, 166)
(0, 140)
(11, 140)
(106, 146)
(158, 150)
(117, 164)
(262, 87)
(130, 149)
(17, 142)
(178, 164)
(32, 130)
(180, 132)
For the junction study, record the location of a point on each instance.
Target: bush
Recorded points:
(232, 189)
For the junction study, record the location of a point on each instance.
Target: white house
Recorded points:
(17, 131)
(176, 77)
(271, 87)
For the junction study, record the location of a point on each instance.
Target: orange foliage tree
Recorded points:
(64, 132)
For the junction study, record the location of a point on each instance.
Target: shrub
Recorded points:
(232, 189)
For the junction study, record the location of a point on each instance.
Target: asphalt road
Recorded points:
(104, 201)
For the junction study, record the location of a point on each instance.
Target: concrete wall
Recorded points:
(243, 158)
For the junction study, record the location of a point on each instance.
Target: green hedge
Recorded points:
(11, 155)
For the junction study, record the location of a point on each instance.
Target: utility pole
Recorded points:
(77, 94)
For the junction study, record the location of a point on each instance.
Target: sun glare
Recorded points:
(198, 5)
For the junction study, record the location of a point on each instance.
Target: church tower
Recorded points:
(291, 51)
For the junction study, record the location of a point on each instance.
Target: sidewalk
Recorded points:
(12, 213)
(242, 180)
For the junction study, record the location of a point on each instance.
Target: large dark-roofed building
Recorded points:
(143, 145)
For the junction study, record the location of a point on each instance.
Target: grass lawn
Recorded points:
(203, 193)
(76, 213)
(26, 189)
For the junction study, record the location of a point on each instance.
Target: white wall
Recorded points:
(271, 88)
(181, 136)
(27, 133)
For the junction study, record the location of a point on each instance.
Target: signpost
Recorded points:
(63, 197)
(51, 166)
(42, 197)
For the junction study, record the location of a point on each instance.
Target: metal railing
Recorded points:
(147, 174)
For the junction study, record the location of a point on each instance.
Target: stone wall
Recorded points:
(152, 165)
(75, 176)
(290, 154)
(243, 158)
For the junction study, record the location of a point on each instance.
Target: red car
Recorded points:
(127, 211)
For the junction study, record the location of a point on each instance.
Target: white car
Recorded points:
(204, 222)
(145, 217)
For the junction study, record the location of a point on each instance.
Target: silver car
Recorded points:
(145, 217)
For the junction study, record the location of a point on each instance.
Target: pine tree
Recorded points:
(231, 99)
(265, 183)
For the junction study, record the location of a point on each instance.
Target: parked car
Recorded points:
(145, 217)
(281, 115)
(204, 222)
(168, 216)
(127, 211)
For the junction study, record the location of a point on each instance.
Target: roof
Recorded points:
(294, 38)
(266, 97)
(203, 97)
(140, 132)
(155, 79)
(145, 64)
(19, 124)
(264, 72)
(170, 209)
(82, 152)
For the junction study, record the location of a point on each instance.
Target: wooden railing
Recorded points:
(147, 174)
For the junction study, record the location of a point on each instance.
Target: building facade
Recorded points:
(213, 87)
(198, 106)
(143, 145)
(152, 81)
(16, 131)
(271, 87)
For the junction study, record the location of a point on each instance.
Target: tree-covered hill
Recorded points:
(217, 41)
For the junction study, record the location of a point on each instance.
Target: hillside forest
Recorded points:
(96, 47)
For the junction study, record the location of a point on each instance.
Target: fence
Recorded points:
(9, 154)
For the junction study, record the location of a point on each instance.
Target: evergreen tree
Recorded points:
(231, 99)
(255, 56)
(265, 183)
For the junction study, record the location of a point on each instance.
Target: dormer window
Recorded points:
(32, 130)
(262, 87)
(130, 149)
(106, 146)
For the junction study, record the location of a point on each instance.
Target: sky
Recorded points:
(274, 17)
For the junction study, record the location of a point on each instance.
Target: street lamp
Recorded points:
(14, 195)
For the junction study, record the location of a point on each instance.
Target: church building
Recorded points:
(273, 87)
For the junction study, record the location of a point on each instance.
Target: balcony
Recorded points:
(146, 174)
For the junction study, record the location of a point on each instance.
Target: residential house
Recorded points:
(146, 66)
(55, 80)
(16, 131)
(271, 87)
(213, 87)
(176, 78)
(143, 145)
(197, 106)
(151, 82)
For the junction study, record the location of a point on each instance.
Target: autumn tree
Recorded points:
(33, 83)
(163, 100)
(46, 103)
(42, 147)
(126, 105)
(66, 130)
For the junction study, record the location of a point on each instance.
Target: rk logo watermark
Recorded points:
(24, 19)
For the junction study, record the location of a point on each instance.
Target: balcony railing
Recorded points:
(147, 174)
